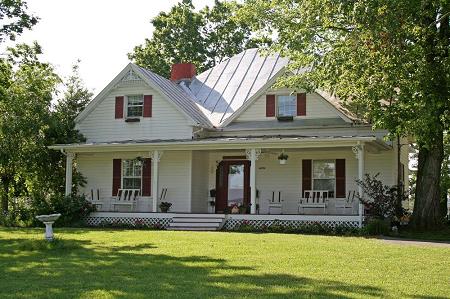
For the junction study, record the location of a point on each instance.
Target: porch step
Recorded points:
(206, 229)
(197, 222)
(200, 216)
(194, 220)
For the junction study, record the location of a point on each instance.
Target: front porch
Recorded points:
(240, 177)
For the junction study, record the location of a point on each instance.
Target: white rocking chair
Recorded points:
(95, 199)
(314, 199)
(276, 202)
(346, 203)
(127, 197)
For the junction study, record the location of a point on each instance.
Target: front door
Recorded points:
(233, 185)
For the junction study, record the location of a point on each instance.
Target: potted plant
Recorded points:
(283, 158)
(165, 206)
(244, 208)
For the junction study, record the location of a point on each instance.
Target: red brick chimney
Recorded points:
(182, 71)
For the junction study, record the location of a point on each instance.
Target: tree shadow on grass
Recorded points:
(82, 270)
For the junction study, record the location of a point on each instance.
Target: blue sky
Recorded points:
(99, 32)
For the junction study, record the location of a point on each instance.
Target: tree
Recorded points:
(445, 175)
(14, 18)
(62, 131)
(389, 57)
(24, 116)
(185, 35)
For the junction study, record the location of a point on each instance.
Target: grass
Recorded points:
(91, 263)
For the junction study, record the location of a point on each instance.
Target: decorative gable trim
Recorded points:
(131, 76)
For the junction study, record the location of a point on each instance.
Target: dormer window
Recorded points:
(135, 106)
(287, 105)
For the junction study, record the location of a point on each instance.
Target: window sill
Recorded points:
(132, 119)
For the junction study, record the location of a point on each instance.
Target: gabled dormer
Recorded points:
(140, 105)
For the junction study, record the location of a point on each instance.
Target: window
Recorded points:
(131, 174)
(324, 175)
(135, 105)
(287, 105)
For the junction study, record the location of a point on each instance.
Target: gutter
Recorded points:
(225, 143)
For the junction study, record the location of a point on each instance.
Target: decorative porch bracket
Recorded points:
(358, 150)
(156, 157)
(69, 170)
(253, 155)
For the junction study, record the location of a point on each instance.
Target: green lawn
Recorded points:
(87, 263)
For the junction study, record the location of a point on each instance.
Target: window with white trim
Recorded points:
(324, 175)
(131, 174)
(287, 105)
(135, 105)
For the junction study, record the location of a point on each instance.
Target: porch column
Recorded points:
(252, 155)
(156, 156)
(359, 152)
(69, 166)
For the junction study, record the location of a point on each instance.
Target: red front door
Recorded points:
(232, 185)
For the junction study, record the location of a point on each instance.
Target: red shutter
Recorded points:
(148, 99)
(306, 175)
(119, 107)
(117, 176)
(147, 177)
(270, 105)
(301, 104)
(340, 178)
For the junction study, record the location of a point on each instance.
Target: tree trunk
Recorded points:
(5, 181)
(426, 214)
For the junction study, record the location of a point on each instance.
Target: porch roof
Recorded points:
(213, 143)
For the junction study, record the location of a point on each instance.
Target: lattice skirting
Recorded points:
(234, 223)
(162, 223)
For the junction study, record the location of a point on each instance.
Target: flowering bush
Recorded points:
(380, 200)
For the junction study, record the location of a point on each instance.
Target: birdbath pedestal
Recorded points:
(48, 220)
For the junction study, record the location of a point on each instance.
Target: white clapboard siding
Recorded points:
(174, 174)
(166, 123)
(189, 175)
(316, 107)
(271, 176)
(200, 189)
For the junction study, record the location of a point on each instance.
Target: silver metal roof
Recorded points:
(179, 96)
(224, 88)
(216, 94)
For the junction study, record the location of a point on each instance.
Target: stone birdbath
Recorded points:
(48, 220)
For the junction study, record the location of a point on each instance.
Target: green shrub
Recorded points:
(23, 211)
(377, 226)
(73, 209)
(313, 228)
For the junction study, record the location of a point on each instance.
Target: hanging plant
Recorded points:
(283, 158)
